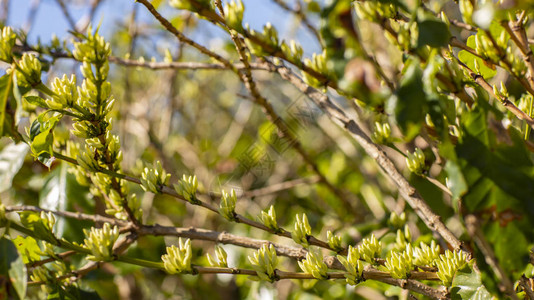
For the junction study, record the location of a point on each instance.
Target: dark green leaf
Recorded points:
(433, 33)
(35, 100)
(409, 104)
(12, 267)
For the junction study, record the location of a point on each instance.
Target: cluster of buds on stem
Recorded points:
(302, 231)
(293, 51)
(100, 242)
(264, 262)
(233, 14)
(28, 71)
(399, 265)
(375, 11)
(426, 255)
(448, 264)
(353, 265)
(269, 37)
(153, 179)
(382, 133)
(227, 205)
(370, 249)
(318, 64)
(187, 188)
(178, 259)
(65, 93)
(313, 264)
(397, 221)
(7, 42)
(222, 258)
(416, 162)
(269, 219)
(334, 241)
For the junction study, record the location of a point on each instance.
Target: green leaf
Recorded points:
(53, 195)
(5, 92)
(35, 100)
(42, 142)
(409, 103)
(457, 184)
(28, 248)
(12, 267)
(32, 220)
(433, 33)
(467, 284)
(11, 160)
(486, 70)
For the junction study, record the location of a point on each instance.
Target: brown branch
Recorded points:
(473, 229)
(509, 105)
(246, 77)
(177, 65)
(182, 38)
(171, 192)
(68, 214)
(432, 220)
(526, 284)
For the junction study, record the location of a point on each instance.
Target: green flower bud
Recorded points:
(221, 260)
(302, 231)
(370, 249)
(269, 219)
(353, 265)
(66, 93)
(100, 242)
(227, 205)
(29, 70)
(425, 255)
(178, 259)
(397, 221)
(416, 162)
(400, 265)
(94, 50)
(448, 264)
(153, 179)
(382, 133)
(334, 241)
(86, 159)
(7, 42)
(48, 220)
(264, 262)
(233, 13)
(313, 264)
(466, 8)
(187, 188)
(294, 51)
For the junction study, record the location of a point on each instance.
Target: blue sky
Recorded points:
(50, 20)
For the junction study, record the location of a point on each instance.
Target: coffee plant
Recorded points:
(367, 149)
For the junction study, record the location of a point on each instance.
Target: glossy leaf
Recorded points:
(486, 70)
(11, 160)
(467, 285)
(28, 248)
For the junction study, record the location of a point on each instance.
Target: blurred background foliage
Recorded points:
(204, 122)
